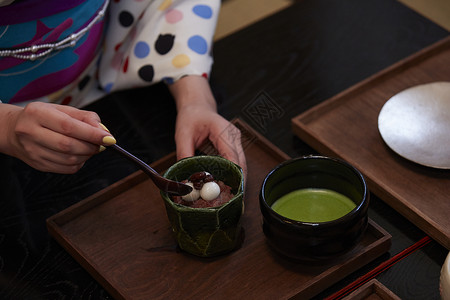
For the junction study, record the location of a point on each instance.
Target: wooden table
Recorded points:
(265, 74)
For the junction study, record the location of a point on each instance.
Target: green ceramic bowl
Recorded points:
(213, 231)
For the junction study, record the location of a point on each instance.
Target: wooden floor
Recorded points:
(236, 14)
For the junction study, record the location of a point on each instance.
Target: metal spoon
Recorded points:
(164, 184)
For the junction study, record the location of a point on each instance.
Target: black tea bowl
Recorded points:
(314, 242)
(207, 232)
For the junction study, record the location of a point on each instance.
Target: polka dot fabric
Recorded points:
(161, 40)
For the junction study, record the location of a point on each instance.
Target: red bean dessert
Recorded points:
(206, 192)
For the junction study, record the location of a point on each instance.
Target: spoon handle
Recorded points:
(164, 184)
(145, 167)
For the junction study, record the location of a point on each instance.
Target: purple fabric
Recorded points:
(31, 80)
(27, 10)
(41, 30)
(86, 52)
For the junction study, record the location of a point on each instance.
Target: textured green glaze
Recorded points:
(207, 231)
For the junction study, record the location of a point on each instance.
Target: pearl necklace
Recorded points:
(30, 53)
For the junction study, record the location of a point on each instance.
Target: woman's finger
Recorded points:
(59, 158)
(185, 146)
(61, 121)
(229, 145)
(57, 142)
(49, 166)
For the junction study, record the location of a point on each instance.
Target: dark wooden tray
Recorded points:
(347, 126)
(372, 290)
(122, 236)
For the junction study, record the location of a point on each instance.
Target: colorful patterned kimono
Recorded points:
(75, 51)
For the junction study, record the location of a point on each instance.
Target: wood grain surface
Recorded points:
(347, 126)
(372, 290)
(121, 235)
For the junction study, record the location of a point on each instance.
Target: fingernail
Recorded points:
(101, 148)
(109, 140)
(104, 127)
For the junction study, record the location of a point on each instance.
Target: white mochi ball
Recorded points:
(210, 191)
(193, 195)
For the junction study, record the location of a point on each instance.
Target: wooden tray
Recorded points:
(346, 126)
(122, 236)
(372, 290)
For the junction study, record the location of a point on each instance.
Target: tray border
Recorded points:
(371, 287)
(300, 128)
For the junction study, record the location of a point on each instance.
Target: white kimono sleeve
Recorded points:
(152, 40)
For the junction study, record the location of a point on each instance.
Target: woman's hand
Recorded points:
(198, 122)
(50, 137)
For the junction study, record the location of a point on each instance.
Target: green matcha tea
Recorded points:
(313, 205)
